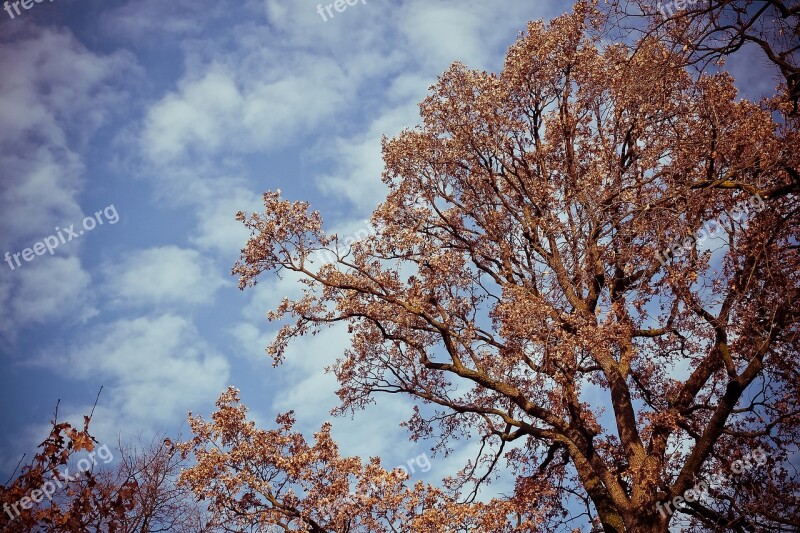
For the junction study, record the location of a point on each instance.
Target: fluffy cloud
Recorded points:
(164, 275)
(217, 227)
(47, 289)
(145, 19)
(218, 112)
(356, 160)
(156, 368)
(55, 94)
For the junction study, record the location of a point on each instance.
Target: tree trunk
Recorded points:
(646, 521)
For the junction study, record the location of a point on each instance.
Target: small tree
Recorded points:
(50, 494)
(157, 502)
(71, 485)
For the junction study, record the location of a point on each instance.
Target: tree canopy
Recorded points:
(515, 284)
(586, 263)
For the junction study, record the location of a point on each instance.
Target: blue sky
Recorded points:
(179, 114)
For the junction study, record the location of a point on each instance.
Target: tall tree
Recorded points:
(589, 262)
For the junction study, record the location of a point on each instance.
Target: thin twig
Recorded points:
(95, 401)
(15, 470)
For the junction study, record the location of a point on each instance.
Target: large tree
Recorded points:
(589, 263)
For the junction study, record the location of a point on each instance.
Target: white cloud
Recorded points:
(55, 93)
(251, 342)
(357, 159)
(51, 83)
(220, 111)
(47, 289)
(154, 368)
(217, 227)
(290, 78)
(42, 193)
(446, 32)
(144, 19)
(201, 113)
(165, 275)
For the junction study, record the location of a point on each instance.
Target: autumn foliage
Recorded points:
(78, 503)
(258, 479)
(134, 489)
(515, 286)
(703, 33)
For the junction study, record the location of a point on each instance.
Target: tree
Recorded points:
(65, 488)
(52, 494)
(157, 502)
(589, 263)
(272, 480)
(707, 31)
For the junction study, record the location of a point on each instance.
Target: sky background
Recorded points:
(179, 114)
